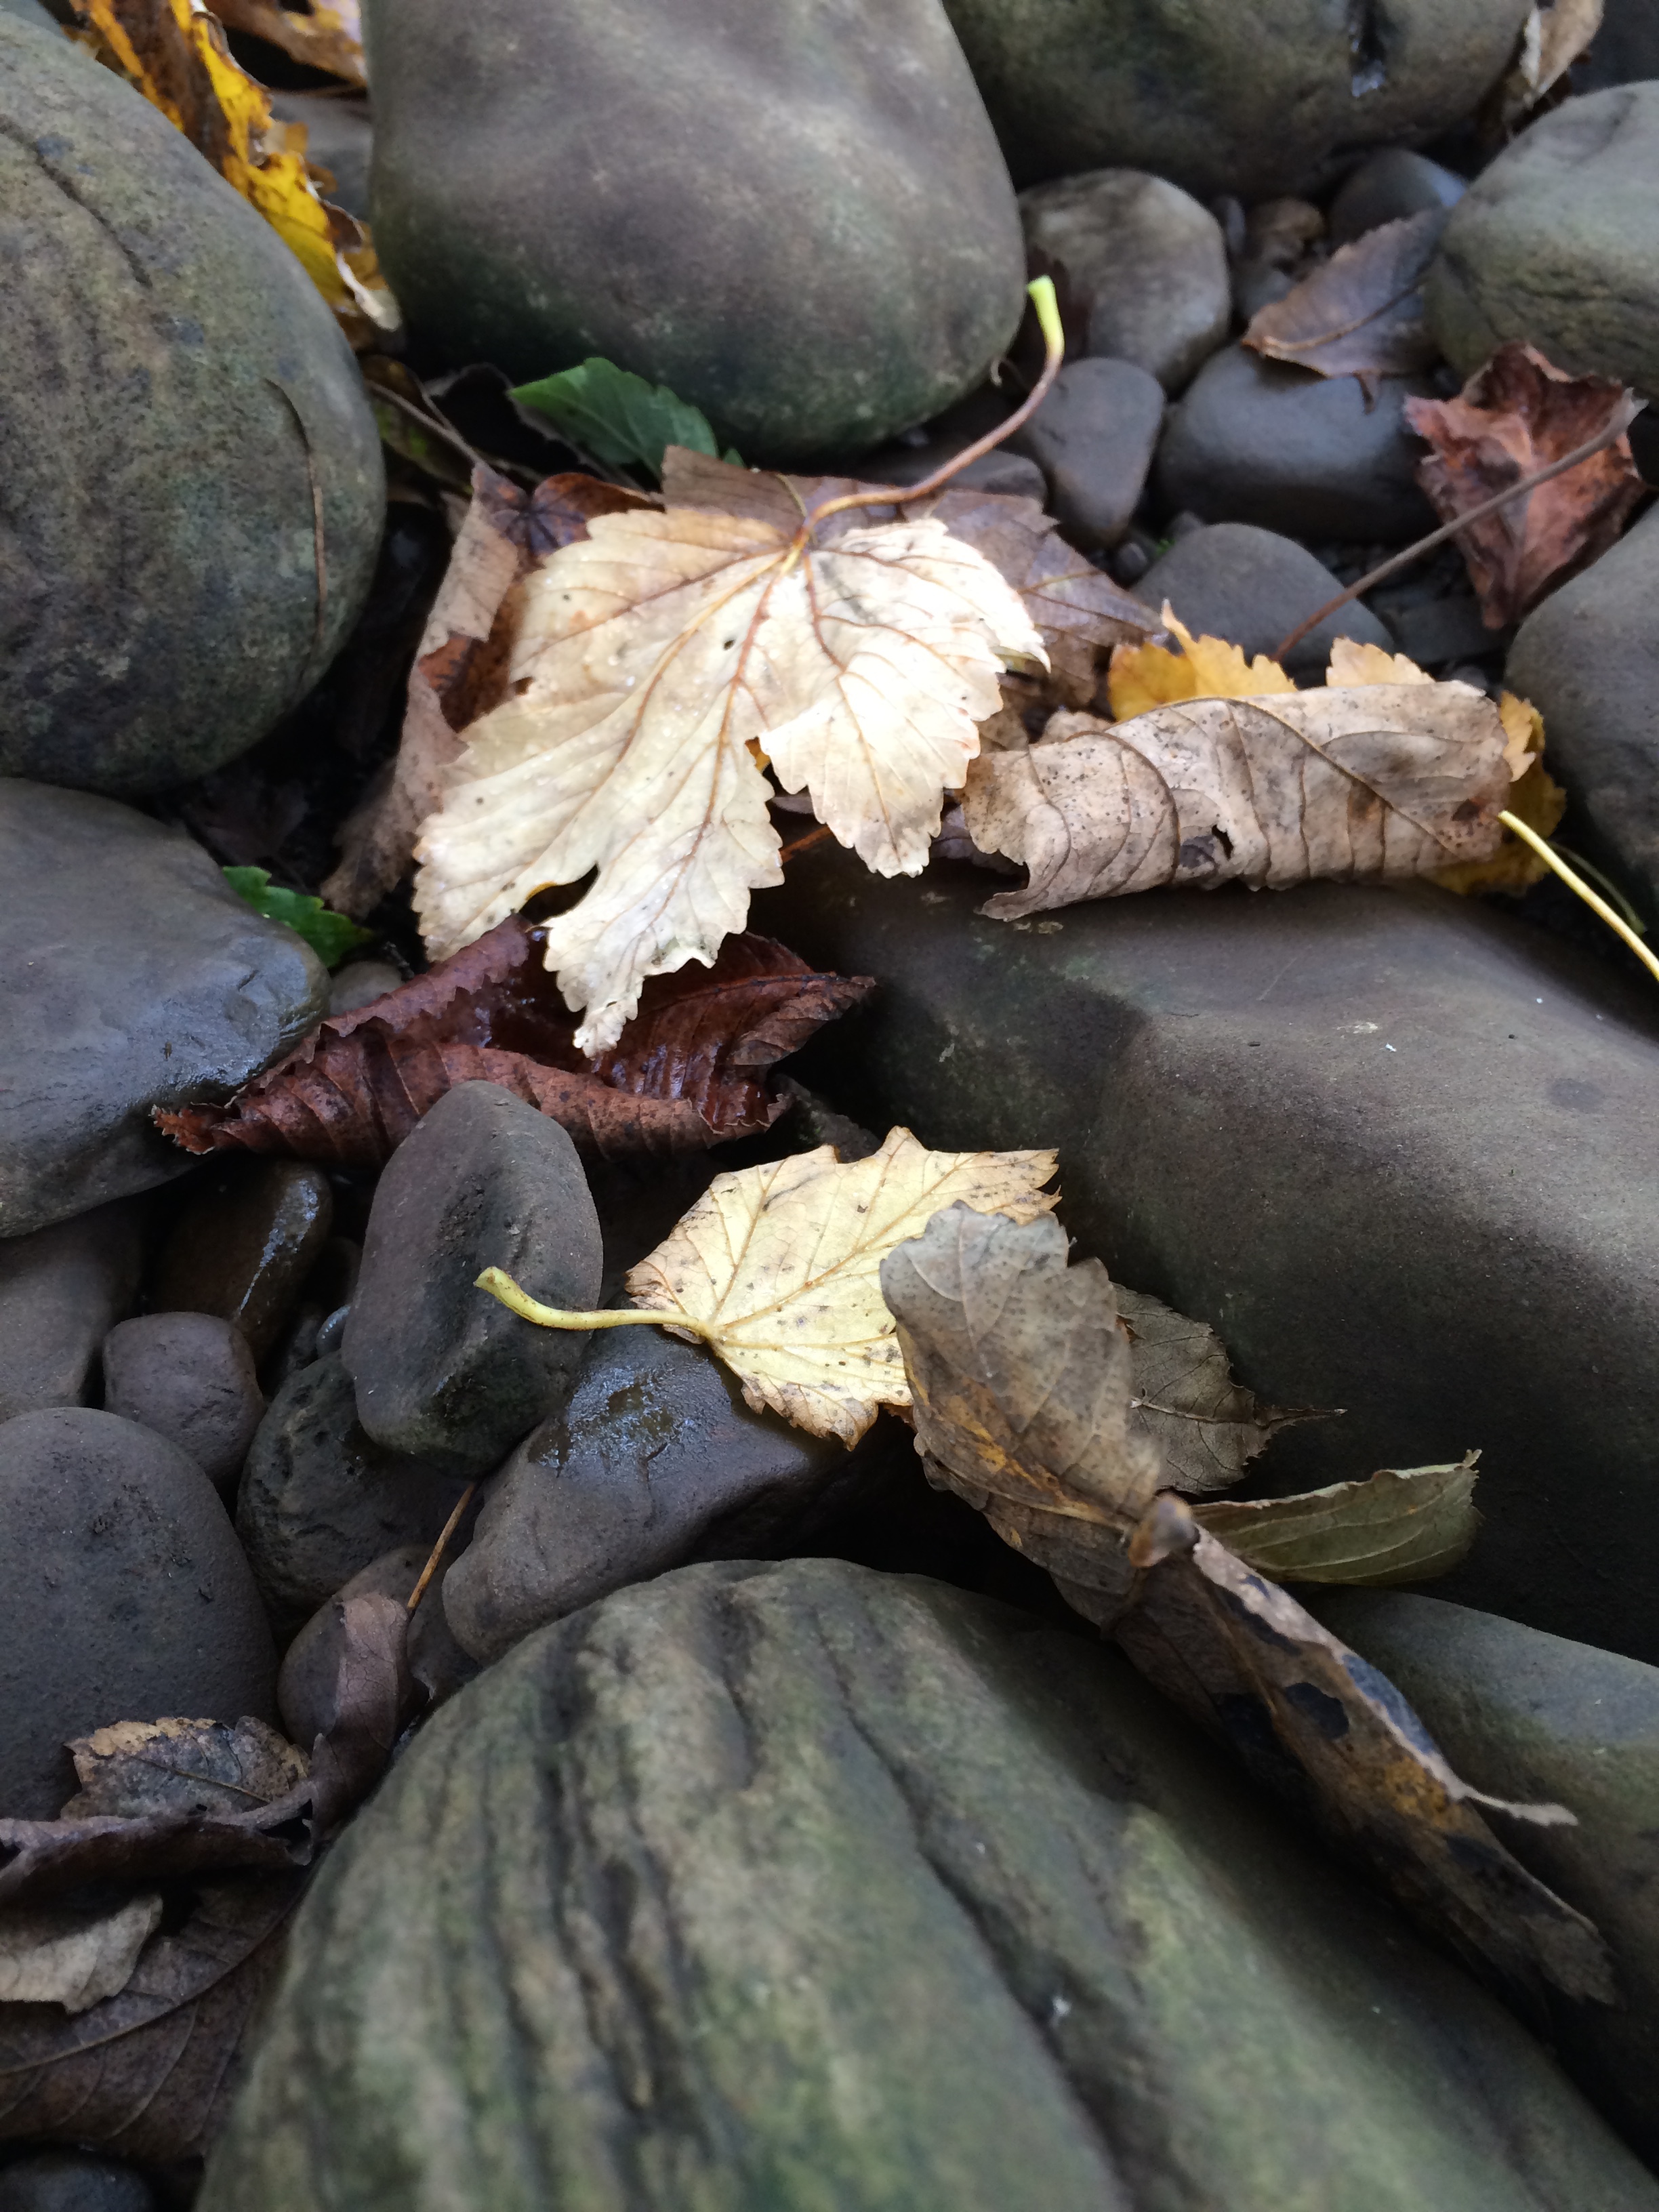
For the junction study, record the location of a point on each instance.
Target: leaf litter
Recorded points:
(1360, 313)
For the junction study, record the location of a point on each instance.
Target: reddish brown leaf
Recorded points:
(688, 1070)
(1360, 313)
(1514, 415)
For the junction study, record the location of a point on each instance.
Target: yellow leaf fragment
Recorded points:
(1535, 798)
(1523, 725)
(1146, 676)
(780, 1269)
(658, 663)
(1353, 663)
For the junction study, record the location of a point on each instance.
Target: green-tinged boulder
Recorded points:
(1219, 97)
(785, 1889)
(795, 216)
(177, 406)
(1557, 243)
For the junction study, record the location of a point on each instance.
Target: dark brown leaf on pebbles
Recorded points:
(689, 1070)
(139, 1767)
(1360, 313)
(1515, 416)
(148, 2073)
(375, 1697)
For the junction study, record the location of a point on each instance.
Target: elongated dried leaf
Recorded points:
(139, 1767)
(1146, 676)
(373, 1697)
(1514, 415)
(73, 1955)
(654, 659)
(778, 1269)
(1551, 39)
(1381, 780)
(322, 38)
(1205, 1427)
(1536, 798)
(691, 1069)
(1021, 1392)
(1360, 313)
(148, 2074)
(1401, 1525)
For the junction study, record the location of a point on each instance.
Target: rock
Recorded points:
(360, 982)
(248, 1236)
(436, 1660)
(1526, 1716)
(321, 1500)
(30, 11)
(1254, 587)
(1145, 267)
(655, 1449)
(1001, 470)
(1255, 440)
(442, 1368)
(1388, 188)
(306, 1685)
(1457, 1239)
(60, 1290)
(1440, 631)
(1556, 242)
(1093, 438)
(812, 237)
(339, 138)
(1224, 99)
(131, 975)
(800, 1884)
(124, 1595)
(1589, 659)
(174, 388)
(68, 2181)
(190, 1378)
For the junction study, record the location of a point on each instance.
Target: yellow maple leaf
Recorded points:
(657, 665)
(778, 1269)
(1355, 664)
(1146, 676)
(1535, 798)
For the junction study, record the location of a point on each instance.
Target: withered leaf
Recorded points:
(73, 1955)
(320, 37)
(147, 2075)
(1371, 781)
(691, 1070)
(374, 1698)
(1360, 313)
(1516, 414)
(1205, 1427)
(44, 1859)
(1401, 1525)
(1021, 1382)
(138, 1767)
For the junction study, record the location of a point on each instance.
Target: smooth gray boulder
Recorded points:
(1145, 267)
(1530, 1716)
(131, 976)
(1589, 661)
(1255, 440)
(785, 1888)
(68, 2180)
(1457, 1239)
(812, 235)
(1388, 188)
(1556, 242)
(1094, 437)
(123, 1597)
(1253, 587)
(61, 1290)
(175, 398)
(1221, 98)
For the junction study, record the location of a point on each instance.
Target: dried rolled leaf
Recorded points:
(136, 1768)
(374, 1698)
(1376, 781)
(1360, 313)
(1401, 1525)
(321, 38)
(73, 1955)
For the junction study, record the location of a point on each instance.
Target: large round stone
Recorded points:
(175, 399)
(794, 214)
(1557, 243)
(1223, 98)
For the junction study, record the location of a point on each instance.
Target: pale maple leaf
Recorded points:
(659, 664)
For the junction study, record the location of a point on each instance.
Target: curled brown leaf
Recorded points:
(1360, 313)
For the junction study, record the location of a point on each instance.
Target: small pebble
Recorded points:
(189, 1376)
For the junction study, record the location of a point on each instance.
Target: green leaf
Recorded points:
(618, 418)
(329, 935)
(1403, 1525)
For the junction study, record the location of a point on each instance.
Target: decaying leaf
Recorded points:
(147, 2074)
(373, 1697)
(70, 1955)
(1360, 313)
(138, 1767)
(319, 37)
(620, 419)
(691, 1070)
(1551, 39)
(1514, 415)
(1401, 1525)
(1536, 798)
(1364, 782)
(1021, 1382)
(174, 52)
(459, 669)
(1146, 676)
(1352, 663)
(1205, 1427)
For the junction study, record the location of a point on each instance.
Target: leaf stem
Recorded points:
(1575, 882)
(499, 1285)
(435, 1556)
(1623, 417)
(1042, 291)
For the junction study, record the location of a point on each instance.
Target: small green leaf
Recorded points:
(617, 418)
(1403, 1525)
(329, 935)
